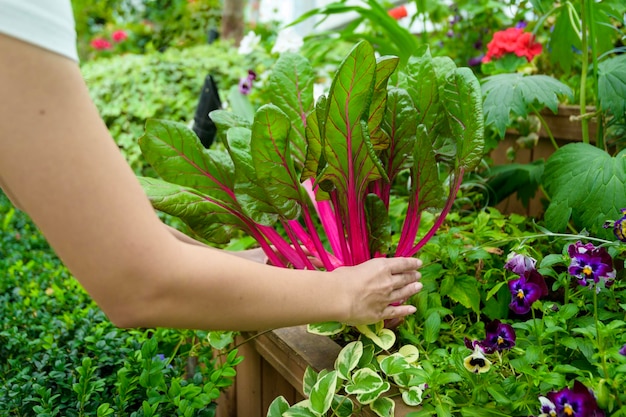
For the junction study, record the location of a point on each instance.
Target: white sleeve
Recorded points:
(48, 24)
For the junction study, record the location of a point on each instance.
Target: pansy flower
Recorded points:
(245, 84)
(548, 409)
(525, 290)
(476, 362)
(576, 402)
(622, 351)
(519, 264)
(591, 265)
(500, 336)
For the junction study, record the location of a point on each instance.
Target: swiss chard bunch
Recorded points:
(308, 177)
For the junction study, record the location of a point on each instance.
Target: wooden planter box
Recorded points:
(274, 365)
(564, 129)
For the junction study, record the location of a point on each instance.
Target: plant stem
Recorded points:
(547, 129)
(598, 336)
(583, 73)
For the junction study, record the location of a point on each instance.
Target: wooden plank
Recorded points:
(248, 384)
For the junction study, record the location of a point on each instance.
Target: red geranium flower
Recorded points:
(119, 36)
(100, 44)
(512, 40)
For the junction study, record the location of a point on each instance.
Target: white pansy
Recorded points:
(249, 43)
(287, 40)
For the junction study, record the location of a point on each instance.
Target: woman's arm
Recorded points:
(58, 161)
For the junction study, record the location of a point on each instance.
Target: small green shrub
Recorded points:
(61, 356)
(129, 89)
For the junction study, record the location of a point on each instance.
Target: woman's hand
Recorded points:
(377, 288)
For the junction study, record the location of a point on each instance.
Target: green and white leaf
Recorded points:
(413, 396)
(383, 407)
(348, 359)
(363, 381)
(322, 393)
(328, 328)
(278, 407)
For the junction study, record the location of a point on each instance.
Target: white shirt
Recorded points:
(48, 24)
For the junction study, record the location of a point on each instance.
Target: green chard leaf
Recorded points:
(400, 125)
(212, 219)
(291, 89)
(385, 66)
(273, 161)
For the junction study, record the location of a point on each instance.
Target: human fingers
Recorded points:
(401, 265)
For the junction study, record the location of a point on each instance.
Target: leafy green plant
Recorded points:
(130, 89)
(340, 159)
(60, 355)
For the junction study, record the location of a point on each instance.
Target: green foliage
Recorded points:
(612, 86)
(352, 145)
(60, 355)
(586, 186)
(560, 342)
(130, 89)
(151, 25)
(507, 95)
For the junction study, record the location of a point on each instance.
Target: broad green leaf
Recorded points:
(314, 140)
(432, 326)
(299, 411)
(342, 406)
(364, 380)
(426, 187)
(220, 339)
(347, 150)
(348, 359)
(323, 392)
(464, 290)
(383, 407)
(412, 396)
(586, 186)
(519, 95)
(385, 66)
(291, 89)
(278, 407)
(224, 120)
(410, 352)
(370, 397)
(210, 218)
(250, 195)
(383, 338)
(422, 86)
(327, 328)
(393, 364)
(308, 380)
(176, 154)
(400, 125)
(273, 161)
(511, 178)
(565, 37)
(462, 100)
(612, 86)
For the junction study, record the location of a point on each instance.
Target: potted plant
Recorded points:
(324, 175)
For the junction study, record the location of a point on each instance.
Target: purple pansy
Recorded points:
(525, 290)
(499, 336)
(622, 351)
(245, 84)
(519, 263)
(548, 409)
(576, 402)
(591, 265)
